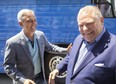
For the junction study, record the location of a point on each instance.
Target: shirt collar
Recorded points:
(100, 35)
(27, 39)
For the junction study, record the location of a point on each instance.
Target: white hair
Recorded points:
(94, 10)
(22, 13)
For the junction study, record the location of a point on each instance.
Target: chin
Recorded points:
(90, 41)
(33, 30)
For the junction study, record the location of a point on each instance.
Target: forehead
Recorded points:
(86, 18)
(29, 15)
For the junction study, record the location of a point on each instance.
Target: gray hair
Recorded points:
(90, 9)
(22, 13)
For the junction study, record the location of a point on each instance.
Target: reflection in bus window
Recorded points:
(105, 8)
(114, 3)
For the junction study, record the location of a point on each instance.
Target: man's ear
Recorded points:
(102, 20)
(20, 23)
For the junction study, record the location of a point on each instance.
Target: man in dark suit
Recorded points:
(24, 52)
(92, 59)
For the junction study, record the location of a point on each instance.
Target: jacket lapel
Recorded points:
(39, 43)
(99, 48)
(25, 46)
(74, 52)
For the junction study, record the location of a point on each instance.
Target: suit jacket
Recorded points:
(18, 62)
(99, 65)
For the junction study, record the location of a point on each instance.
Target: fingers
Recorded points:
(32, 82)
(69, 47)
(28, 81)
(51, 79)
(70, 44)
(52, 76)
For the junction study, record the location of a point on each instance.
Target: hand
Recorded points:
(69, 47)
(52, 76)
(28, 81)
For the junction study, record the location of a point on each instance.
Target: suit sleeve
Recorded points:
(62, 67)
(9, 64)
(51, 47)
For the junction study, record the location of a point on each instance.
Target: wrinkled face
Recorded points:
(29, 23)
(90, 27)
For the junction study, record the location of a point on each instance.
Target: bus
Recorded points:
(57, 19)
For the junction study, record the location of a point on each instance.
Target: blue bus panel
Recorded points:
(56, 18)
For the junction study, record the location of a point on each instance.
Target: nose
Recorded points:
(34, 22)
(85, 28)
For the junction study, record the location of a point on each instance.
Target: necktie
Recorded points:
(32, 43)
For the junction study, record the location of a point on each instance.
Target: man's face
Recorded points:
(29, 23)
(90, 27)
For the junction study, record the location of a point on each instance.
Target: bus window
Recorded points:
(107, 7)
